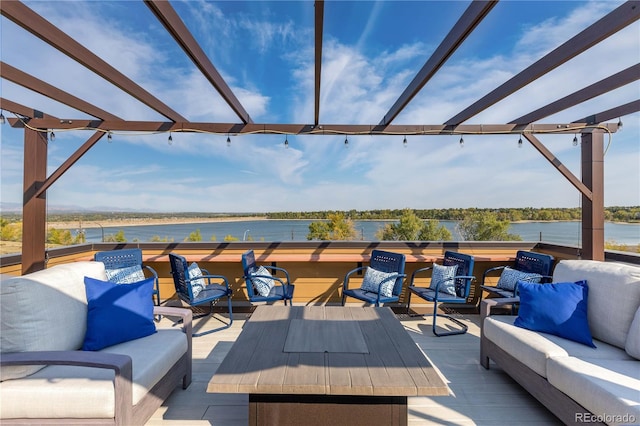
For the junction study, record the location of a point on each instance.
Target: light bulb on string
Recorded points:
(170, 139)
(520, 142)
(2, 119)
(109, 136)
(404, 142)
(461, 142)
(346, 141)
(228, 141)
(575, 140)
(286, 142)
(52, 136)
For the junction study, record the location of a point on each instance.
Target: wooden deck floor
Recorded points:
(479, 396)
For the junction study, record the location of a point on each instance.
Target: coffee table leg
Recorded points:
(326, 409)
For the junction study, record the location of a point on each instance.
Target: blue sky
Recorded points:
(371, 51)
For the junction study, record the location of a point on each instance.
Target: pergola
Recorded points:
(36, 123)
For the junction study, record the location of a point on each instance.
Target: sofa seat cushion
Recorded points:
(534, 348)
(27, 324)
(59, 391)
(614, 295)
(605, 387)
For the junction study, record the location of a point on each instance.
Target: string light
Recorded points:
(286, 141)
(228, 141)
(461, 142)
(520, 142)
(575, 140)
(346, 141)
(170, 139)
(52, 136)
(404, 142)
(619, 123)
(2, 119)
(109, 136)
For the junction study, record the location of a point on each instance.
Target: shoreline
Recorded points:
(113, 223)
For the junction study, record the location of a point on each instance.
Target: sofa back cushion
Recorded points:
(614, 295)
(44, 311)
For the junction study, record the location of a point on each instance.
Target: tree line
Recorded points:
(614, 214)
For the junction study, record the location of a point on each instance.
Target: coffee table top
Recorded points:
(326, 350)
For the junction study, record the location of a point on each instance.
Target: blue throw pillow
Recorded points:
(510, 277)
(373, 278)
(262, 284)
(197, 283)
(557, 308)
(117, 313)
(444, 275)
(127, 275)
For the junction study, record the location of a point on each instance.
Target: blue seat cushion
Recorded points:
(430, 295)
(369, 296)
(210, 292)
(277, 292)
(117, 313)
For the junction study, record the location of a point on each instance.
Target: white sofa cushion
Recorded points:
(614, 295)
(28, 324)
(633, 338)
(83, 392)
(534, 349)
(607, 388)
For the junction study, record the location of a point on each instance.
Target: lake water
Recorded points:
(296, 230)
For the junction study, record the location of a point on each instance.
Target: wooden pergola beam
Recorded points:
(22, 110)
(26, 80)
(605, 85)
(167, 15)
(319, 29)
(29, 20)
(610, 114)
(555, 162)
(469, 20)
(619, 18)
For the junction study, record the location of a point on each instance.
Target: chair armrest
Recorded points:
(120, 364)
(488, 271)
(488, 304)
(277, 268)
(393, 277)
(345, 283)
(210, 277)
(185, 314)
(418, 271)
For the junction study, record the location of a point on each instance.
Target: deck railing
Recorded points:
(317, 268)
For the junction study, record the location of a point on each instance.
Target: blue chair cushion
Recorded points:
(127, 275)
(373, 278)
(117, 313)
(558, 308)
(197, 285)
(368, 296)
(444, 275)
(262, 284)
(510, 277)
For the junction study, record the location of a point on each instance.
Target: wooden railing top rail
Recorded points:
(310, 257)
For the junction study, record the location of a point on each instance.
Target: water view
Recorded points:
(568, 233)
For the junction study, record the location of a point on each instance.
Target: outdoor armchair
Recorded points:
(382, 281)
(262, 284)
(196, 286)
(450, 283)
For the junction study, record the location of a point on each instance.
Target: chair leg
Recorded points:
(211, 314)
(463, 326)
(343, 298)
(408, 302)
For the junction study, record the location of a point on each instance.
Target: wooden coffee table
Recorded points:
(326, 365)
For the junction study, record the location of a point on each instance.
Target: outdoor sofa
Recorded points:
(576, 382)
(46, 320)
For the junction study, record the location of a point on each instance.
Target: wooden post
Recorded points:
(34, 209)
(593, 209)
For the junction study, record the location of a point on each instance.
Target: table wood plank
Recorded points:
(394, 366)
